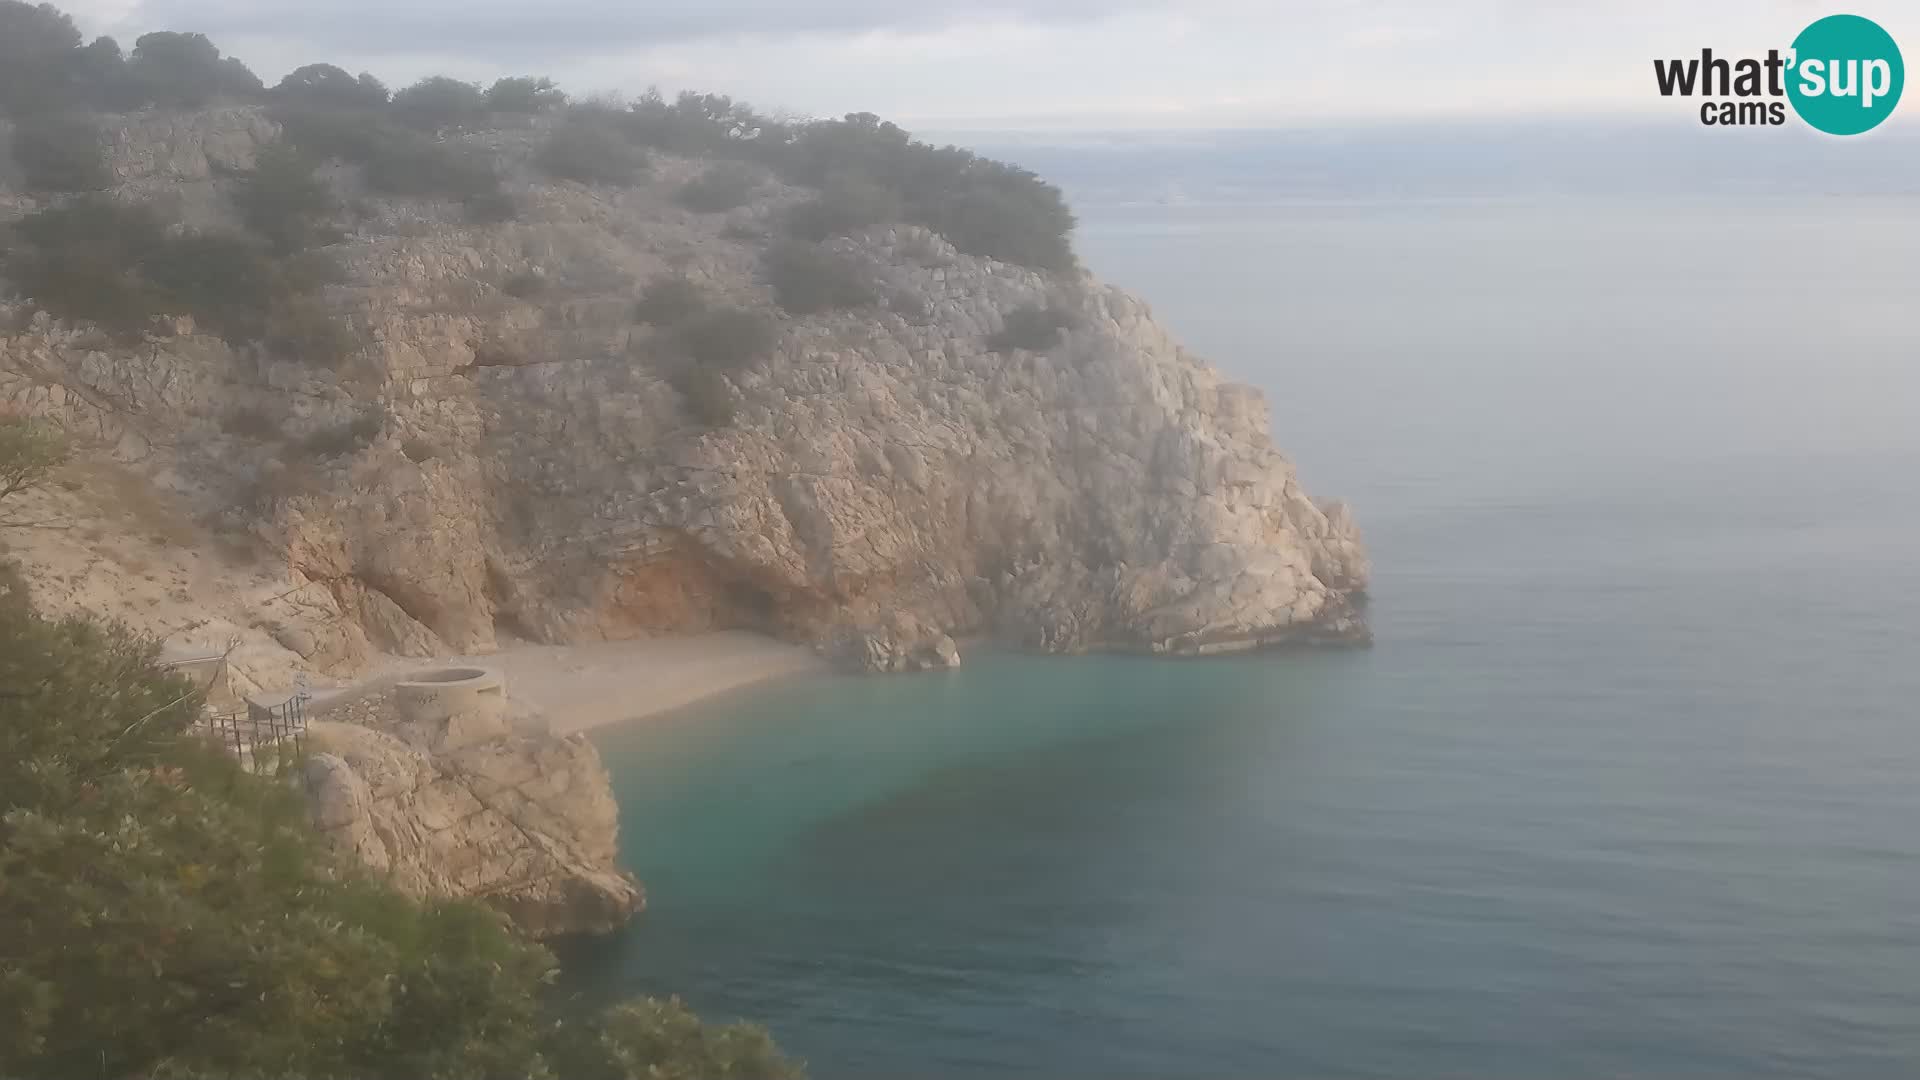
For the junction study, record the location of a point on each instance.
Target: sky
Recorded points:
(1032, 64)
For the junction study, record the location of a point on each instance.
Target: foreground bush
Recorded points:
(661, 1040)
(171, 916)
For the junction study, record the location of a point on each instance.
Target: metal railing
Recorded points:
(264, 738)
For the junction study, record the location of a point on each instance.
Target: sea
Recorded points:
(1629, 783)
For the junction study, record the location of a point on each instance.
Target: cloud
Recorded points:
(523, 31)
(1025, 63)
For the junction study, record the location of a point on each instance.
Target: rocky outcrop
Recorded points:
(521, 820)
(902, 643)
(885, 480)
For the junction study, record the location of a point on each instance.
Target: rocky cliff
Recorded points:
(526, 463)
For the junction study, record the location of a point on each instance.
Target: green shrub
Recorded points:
(169, 915)
(909, 305)
(525, 95)
(95, 260)
(225, 280)
(744, 232)
(709, 125)
(303, 329)
(661, 1040)
(1033, 327)
(1006, 214)
(438, 103)
(984, 207)
(348, 437)
(61, 153)
(722, 187)
(525, 285)
(708, 395)
(327, 86)
(847, 203)
(669, 299)
(496, 353)
(394, 160)
(807, 279)
(284, 202)
(251, 423)
(83, 262)
(309, 271)
(321, 130)
(29, 452)
(186, 71)
(491, 207)
(591, 153)
(729, 338)
(424, 169)
(37, 46)
(871, 172)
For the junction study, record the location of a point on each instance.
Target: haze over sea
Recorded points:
(1627, 786)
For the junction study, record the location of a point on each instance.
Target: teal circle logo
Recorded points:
(1846, 75)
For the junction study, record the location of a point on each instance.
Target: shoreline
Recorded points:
(584, 687)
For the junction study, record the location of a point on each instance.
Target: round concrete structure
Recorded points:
(476, 695)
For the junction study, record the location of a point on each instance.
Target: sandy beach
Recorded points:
(581, 687)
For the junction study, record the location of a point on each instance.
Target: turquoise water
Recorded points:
(1627, 786)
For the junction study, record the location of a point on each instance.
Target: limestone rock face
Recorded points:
(524, 822)
(167, 145)
(884, 482)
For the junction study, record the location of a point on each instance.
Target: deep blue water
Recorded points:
(1629, 786)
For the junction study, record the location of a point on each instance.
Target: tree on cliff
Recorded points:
(439, 102)
(525, 94)
(186, 71)
(37, 45)
(169, 915)
(29, 452)
(331, 87)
